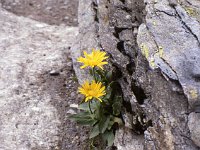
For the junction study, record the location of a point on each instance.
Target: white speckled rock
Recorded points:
(28, 51)
(127, 140)
(193, 124)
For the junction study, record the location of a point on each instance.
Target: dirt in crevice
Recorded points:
(62, 86)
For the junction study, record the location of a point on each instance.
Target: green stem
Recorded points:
(90, 107)
(92, 144)
(94, 75)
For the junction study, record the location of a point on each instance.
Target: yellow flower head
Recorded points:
(93, 90)
(96, 58)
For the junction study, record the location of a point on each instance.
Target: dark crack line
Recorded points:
(187, 27)
(170, 68)
(156, 10)
(188, 2)
(161, 11)
(161, 57)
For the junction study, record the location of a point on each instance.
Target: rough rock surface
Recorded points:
(33, 62)
(155, 47)
(169, 40)
(194, 126)
(178, 55)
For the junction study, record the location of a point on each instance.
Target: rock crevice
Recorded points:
(155, 46)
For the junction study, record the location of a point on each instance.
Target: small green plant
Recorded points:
(101, 107)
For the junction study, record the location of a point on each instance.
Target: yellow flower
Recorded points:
(96, 58)
(93, 90)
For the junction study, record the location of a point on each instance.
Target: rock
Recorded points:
(71, 111)
(126, 140)
(169, 40)
(87, 29)
(156, 53)
(165, 54)
(120, 51)
(69, 64)
(193, 124)
(29, 119)
(73, 94)
(73, 105)
(48, 11)
(173, 3)
(54, 73)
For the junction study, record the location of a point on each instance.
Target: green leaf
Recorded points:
(98, 78)
(103, 124)
(114, 120)
(95, 131)
(108, 93)
(84, 106)
(80, 116)
(117, 105)
(90, 72)
(109, 75)
(116, 108)
(102, 76)
(89, 122)
(110, 124)
(109, 137)
(83, 118)
(99, 111)
(100, 72)
(118, 98)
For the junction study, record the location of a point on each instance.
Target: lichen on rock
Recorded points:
(155, 46)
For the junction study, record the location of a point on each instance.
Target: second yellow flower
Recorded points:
(93, 90)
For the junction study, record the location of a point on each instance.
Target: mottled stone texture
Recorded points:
(154, 46)
(169, 39)
(29, 52)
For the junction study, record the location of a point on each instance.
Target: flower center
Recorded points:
(91, 92)
(93, 62)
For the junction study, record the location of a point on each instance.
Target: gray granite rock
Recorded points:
(170, 41)
(194, 121)
(87, 39)
(127, 140)
(29, 50)
(155, 47)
